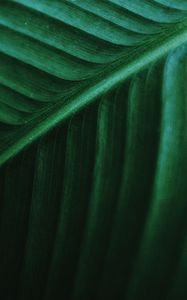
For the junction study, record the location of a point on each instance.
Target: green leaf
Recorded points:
(58, 56)
(95, 206)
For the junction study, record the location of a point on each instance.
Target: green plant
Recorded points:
(93, 148)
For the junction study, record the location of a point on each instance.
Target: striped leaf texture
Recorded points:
(93, 149)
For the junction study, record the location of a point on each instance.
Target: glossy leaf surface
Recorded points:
(93, 149)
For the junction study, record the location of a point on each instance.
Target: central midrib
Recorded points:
(167, 41)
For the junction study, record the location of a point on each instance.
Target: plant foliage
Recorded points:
(93, 149)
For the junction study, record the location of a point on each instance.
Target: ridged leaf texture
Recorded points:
(93, 149)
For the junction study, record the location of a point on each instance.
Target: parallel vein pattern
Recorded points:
(51, 51)
(96, 208)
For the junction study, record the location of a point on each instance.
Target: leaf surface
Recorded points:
(65, 54)
(95, 207)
